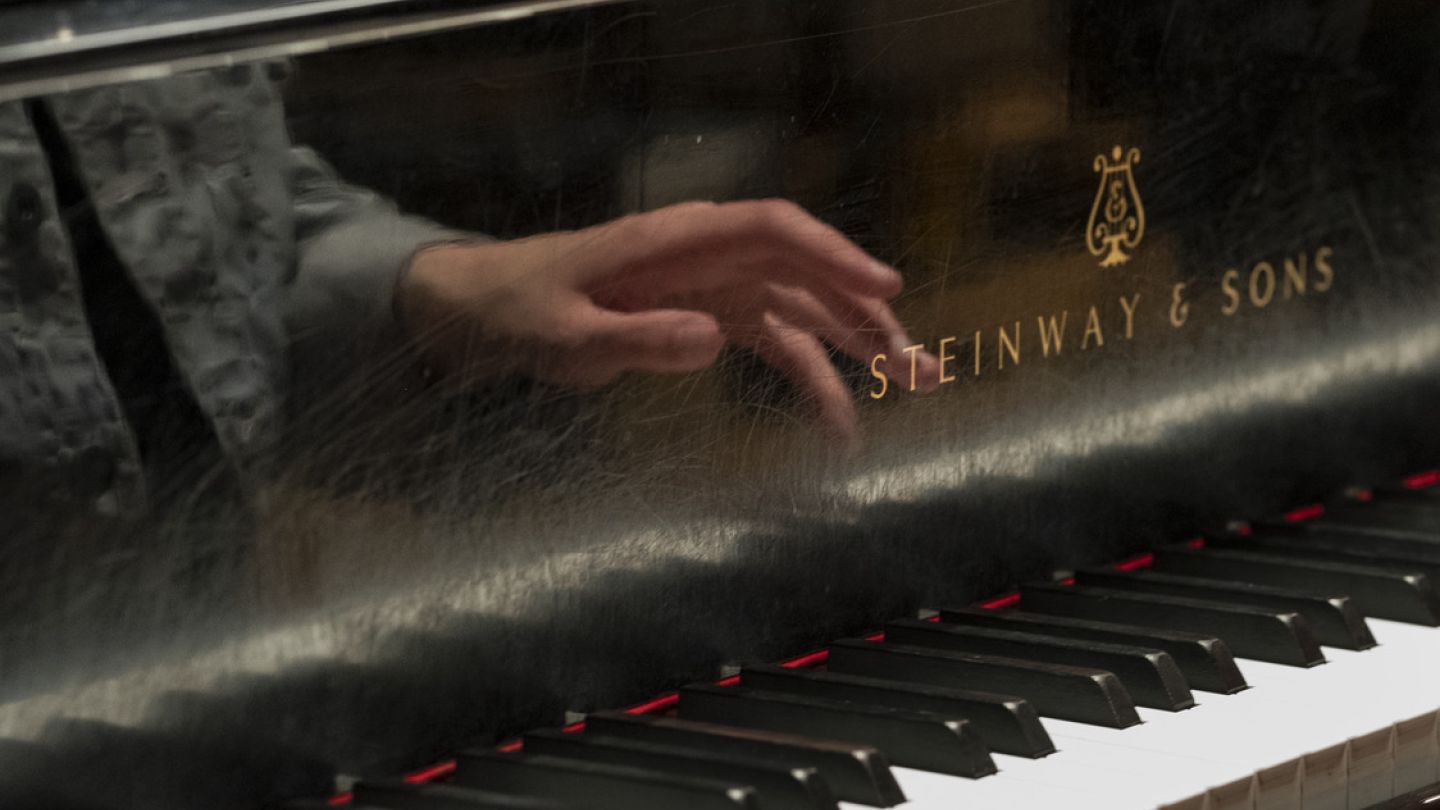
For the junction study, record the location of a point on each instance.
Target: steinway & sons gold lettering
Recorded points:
(1048, 335)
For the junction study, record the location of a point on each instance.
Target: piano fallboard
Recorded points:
(1176, 263)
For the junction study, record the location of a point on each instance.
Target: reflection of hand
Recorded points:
(662, 292)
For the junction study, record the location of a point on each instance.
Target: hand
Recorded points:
(663, 292)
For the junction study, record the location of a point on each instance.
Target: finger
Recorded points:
(847, 324)
(869, 328)
(603, 344)
(708, 243)
(799, 355)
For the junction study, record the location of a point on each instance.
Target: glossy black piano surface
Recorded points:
(1180, 259)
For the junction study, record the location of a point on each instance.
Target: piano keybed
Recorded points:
(1282, 664)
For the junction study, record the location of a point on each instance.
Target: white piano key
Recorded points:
(1147, 778)
(1415, 658)
(1073, 788)
(1400, 685)
(1192, 803)
(1370, 778)
(1208, 771)
(934, 791)
(1090, 776)
(1417, 752)
(1345, 745)
(1278, 787)
(1269, 727)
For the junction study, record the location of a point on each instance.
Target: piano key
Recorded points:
(1336, 620)
(1151, 778)
(1294, 714)
(1420, 799)
(1383, 494)
(1355, 549)
(1007, 724)
(1417, 751)
(1417, 754)
(1069, 786)
(1083, 694)
(1380, 591)
(1411, 518)
(1097, 776)
(1163, 777)
(1370, 770)
(1304, 537)
(915, 739)
(777, 787)
(1378, 530)
(1370, 717)
(1243, 733)
(1408, 654)
(596, 785)
(1149, 675)
(931, 791)
(1342, 774)
(395, 794)
(1204, 660)
(1261, 634)
(856, 773)
(1339, 771)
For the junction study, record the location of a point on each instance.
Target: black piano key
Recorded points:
(777, 786)
(1008, 724)
(1335, 619)
(399, 795)
(1397, 521)
(1149, 675)
(1252, 632)
(1205, 660)
(1340, 546)
(923, 740)
(1081, 694)
(1374, 529)
(1420, 519)
(1381, 591)
(596, 786)
(855, 773)
(1302, 536)
(1363, 550)
(1389, 493)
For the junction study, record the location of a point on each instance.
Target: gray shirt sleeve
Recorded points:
(350, 366)
(351, 247)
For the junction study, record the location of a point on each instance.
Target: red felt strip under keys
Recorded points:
(1423, 480)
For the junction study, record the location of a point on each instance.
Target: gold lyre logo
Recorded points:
(1117, 219)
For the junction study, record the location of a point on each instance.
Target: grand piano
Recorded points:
(1165, 532)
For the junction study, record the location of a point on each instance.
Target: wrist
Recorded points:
(417, 297)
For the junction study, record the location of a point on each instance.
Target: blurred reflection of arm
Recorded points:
(351, 247)
(663, 292)
(658, 292)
